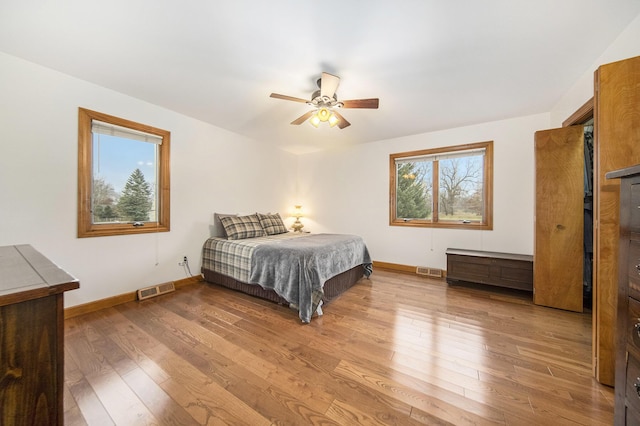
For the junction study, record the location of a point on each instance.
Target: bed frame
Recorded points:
(332, 288)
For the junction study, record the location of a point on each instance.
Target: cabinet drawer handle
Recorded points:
(637, 327)
(638, 268)
(636, 385)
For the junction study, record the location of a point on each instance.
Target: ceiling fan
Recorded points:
(325, 102)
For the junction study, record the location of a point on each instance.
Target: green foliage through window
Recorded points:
(414, 190)
(446, 187)
(136, 200)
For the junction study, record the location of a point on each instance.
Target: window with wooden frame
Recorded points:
(123, 176)
(450, 187)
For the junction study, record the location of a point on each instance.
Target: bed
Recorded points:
(257, 255)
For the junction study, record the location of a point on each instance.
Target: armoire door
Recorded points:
(559, 218)
(616, 146)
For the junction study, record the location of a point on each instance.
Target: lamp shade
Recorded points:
(297, 212)
(314, 120)
(324, 114)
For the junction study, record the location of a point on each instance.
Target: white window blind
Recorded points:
(98, 127)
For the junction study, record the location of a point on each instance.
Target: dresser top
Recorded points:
(26, 274)
(629, 171)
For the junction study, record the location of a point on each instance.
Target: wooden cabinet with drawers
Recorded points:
(31, 337)
(627, 380)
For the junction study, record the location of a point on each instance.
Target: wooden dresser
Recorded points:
(627, 376)
(488, 267)
(31, 337)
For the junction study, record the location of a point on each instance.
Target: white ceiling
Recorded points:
(434, 64)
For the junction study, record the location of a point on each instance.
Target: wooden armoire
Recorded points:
(616, 145)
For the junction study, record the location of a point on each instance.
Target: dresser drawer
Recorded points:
(633, 268)
(633, 383)
(633, 324)
(635, 208)
(631, 417)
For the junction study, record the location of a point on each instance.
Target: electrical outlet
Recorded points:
(185, 259)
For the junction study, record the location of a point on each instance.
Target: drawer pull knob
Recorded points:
(637, 327)
(638, 268)
(636, 386)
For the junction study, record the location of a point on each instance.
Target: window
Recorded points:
(448, 187)
(123, 176)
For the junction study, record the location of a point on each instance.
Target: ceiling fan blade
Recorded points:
(342, 122)
(329, 84)
(287, 98)
(361, 103)
(304, 117)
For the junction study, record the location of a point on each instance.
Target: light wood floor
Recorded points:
(395, 349)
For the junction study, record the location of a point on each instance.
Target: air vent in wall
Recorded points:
(155, 290)
(429, 272)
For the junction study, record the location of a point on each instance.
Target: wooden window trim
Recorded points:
(85, 158)
(487, 188)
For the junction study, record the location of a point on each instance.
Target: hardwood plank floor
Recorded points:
(394, 350)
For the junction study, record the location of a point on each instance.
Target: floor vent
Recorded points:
(429, 272)
(155, 290)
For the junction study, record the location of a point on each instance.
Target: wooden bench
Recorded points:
(491, 268)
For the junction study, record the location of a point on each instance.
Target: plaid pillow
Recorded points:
(272, 223)
(218, 229)
(240, 227)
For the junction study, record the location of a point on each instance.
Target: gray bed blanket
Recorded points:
(297, 268)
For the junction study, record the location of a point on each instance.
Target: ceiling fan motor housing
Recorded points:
(317, 100)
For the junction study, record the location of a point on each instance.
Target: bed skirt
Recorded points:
(332, 288)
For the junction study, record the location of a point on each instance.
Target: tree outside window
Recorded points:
(414, 190)
(136, 200)
(459, 178)
(105, 200)
(461, 184)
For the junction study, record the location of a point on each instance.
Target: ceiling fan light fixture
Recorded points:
(324, 114)
(314, 120)
(333, 120)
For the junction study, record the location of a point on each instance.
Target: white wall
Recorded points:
(348, 191)
(625, 46)
(211, 170)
